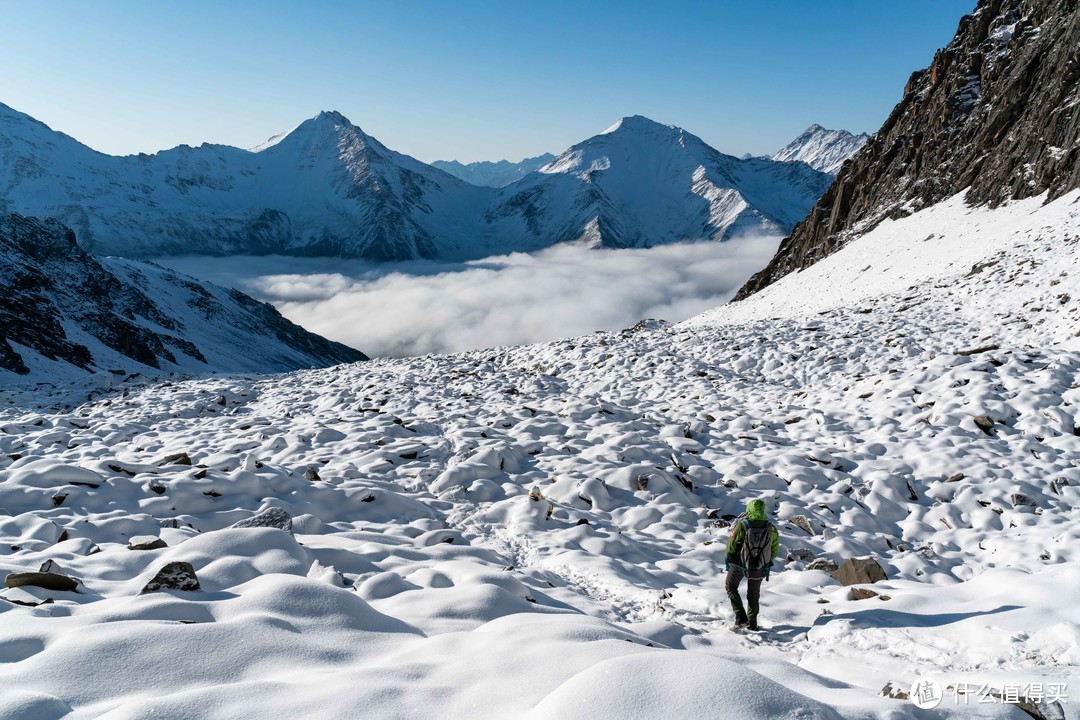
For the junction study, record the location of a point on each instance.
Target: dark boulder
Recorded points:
(47, 580)
(274, 517)
(174, 576)
(181, 458)
(146, 542)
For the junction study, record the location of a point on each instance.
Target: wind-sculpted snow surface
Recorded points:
(538, 531)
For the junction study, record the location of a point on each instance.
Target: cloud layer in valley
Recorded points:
(424, 307)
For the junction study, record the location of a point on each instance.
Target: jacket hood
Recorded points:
(755, 510)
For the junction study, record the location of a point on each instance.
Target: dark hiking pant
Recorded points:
(753, 591)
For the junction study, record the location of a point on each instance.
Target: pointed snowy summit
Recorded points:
(642, 183)
(639, 123)
(822, 149)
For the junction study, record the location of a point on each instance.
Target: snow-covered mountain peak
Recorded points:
(643, 183)
(328, 188)
(326, 123)
(332, 116)
(626, 143)
(639, 124)
(821, 148)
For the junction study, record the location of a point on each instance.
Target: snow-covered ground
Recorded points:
(537, 531)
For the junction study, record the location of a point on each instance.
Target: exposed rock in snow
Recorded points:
(146, 542)
(47, 580)
(855, 571)
(274, 517)
(174, 576)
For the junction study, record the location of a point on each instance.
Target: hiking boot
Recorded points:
(752, 624)
(741, 620)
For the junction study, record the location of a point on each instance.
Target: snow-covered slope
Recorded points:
(526, 532)
(641, 183)
(65, 314)
(493, 174)
(327, 188)
(822, 149)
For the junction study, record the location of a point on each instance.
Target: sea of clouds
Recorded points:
(413, 308)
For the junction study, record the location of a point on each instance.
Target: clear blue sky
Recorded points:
(462, 79)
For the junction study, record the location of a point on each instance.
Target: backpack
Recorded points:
(755, 552)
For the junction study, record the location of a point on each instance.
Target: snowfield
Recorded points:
(537, 532)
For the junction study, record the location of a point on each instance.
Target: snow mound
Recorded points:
(689, 687)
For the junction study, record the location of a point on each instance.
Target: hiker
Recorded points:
(751, 548)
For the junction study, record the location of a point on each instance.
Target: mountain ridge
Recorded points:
(821, 148)
(66, 313)
(328, 189)
(499, 173)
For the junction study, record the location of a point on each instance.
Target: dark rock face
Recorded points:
(51, 287)
(995, 112)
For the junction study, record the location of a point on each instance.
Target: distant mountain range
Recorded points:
(66, 312)
(328, 189)
(493, 174)
(822, 149)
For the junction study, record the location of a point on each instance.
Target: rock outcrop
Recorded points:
(997, 113)
(857, 571)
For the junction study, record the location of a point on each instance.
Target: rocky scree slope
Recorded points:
(329, 189)
(66, 312)
(996, 111)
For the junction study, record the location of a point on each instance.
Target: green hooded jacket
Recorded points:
(755, 517)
